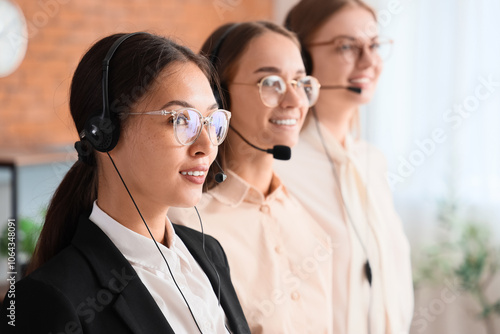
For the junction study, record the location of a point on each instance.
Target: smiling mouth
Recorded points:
(360, 80)
(194, 176)
(194, 173)
(290, 121)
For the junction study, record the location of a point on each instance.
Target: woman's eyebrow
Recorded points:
(213, 106)
(352, 38)
(185, 104)
(271, 69)
(177, 103)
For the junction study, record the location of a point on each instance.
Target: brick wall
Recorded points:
(34, 99)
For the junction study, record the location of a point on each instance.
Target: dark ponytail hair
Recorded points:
(133, 70)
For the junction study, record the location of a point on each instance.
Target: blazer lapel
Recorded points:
(133, 302)
(139, 310)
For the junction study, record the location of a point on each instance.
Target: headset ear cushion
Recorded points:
(102, 133)
(306, 58)
(85, 152)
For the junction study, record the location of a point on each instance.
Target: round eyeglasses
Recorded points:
(188, 123)
(352, 49)
(272, 89)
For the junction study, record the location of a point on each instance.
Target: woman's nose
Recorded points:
(295, 96)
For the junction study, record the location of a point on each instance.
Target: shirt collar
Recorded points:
(139, 249)
(340, 154)
(235, 190)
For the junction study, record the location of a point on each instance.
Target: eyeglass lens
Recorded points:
(352, 50)
(188, 126)
(311, 88)
(273, 89)
(218, 127)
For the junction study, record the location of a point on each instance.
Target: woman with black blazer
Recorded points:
(108, 259)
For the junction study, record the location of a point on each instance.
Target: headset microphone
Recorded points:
(279, 152)
(356, 90)
(220, 176)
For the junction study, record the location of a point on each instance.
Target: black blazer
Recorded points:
(90, 287)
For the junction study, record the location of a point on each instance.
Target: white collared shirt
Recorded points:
(144, 257)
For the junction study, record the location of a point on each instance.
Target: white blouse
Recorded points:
(144, 257)
(356, 209)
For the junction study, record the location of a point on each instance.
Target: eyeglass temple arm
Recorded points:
(154, 112)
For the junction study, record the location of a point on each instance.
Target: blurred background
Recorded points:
(436, 116)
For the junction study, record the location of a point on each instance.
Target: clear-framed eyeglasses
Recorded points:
(272, 89)
(188, 123)
(352, 49)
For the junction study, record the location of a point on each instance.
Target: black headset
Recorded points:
(103, 131)
(213, 57)
(306, 56)
(221, 95)
(280, 152)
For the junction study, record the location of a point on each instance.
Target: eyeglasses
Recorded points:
(188, 123)
(272, 89)
(351, 49)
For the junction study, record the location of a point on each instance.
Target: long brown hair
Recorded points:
(305, 18)
(236, 37)
(133, 70)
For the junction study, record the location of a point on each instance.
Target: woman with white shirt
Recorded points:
(279, 256)
(108, 259)
(340, 178)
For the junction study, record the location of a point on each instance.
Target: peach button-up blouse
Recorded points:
(279, 257)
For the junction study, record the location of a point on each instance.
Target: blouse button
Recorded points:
(295, 295)
(208, 326)
(278, 249)
(264, 208)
